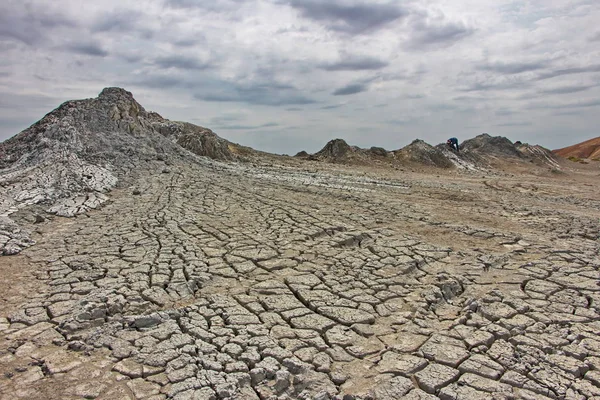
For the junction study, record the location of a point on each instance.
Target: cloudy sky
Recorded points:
(289, 75)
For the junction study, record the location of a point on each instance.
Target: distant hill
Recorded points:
(539, 155)
(588, 149)
(488, 146)
(338, 151)
(479, 153)
(423, 153)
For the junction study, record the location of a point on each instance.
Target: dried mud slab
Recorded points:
(225, 281)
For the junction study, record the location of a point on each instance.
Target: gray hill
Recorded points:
(480, 153)
(484, 152)
(488, 146)
(338, 151)
(335, 150)
(68, 161)
(423, 153)
(302, 154)
(495, 151)
(539, 155)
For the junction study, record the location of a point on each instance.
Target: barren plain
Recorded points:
(303, 280)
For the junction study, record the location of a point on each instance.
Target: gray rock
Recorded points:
(485, 384)
(282, 381)
(394, 388)
(347, 316)
(443, 353)
(403, 364)
(496, 311)
(436, 376)
(457, 392)
(142, 389)
(418, 394)
(312, 321)
(482, 365)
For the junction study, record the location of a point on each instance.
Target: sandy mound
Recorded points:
(588, 149)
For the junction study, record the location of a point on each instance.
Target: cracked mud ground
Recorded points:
(238, 282)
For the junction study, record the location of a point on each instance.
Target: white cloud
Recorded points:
(296, 74)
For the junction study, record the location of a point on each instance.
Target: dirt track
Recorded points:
(223, 281)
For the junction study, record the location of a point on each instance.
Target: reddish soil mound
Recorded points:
(588, 149)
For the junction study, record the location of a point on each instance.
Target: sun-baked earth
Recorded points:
(286, 278)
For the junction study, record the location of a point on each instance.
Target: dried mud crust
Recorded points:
(220, 281)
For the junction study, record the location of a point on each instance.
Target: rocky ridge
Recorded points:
(69, 160)
(481, 153)
(539, 155)
(338, 151)
(420, 152)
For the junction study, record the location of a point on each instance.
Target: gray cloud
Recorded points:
(226, 119)
(156, 82)
(567, 112)
(182, 62)
(569, 71)
(581, 104)
(122, 21)
(214, 5)
(189, 42)
(502, 112)
(568, 89)
(563, 106)
(23, 23)
(332, 107)
(88, 49)
(248, 127)
(356, 64)
(400, 121)
(9, 29)
(131, 57)
(352, 88)
(510, 68)
(270, 94)
(504, 84)
(469, 99)
(9, 100)
(182, 3)
(507, 124)
(444, 107)
(349, 18)
(428, 32)
(595, 37)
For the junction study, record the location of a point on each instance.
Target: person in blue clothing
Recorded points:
(453, 143)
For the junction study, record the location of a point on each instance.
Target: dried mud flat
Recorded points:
(305, 281)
